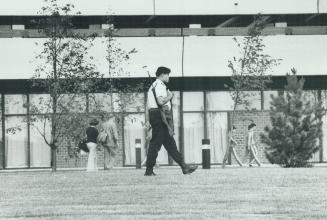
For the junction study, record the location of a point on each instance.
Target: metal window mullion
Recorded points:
(181, 128)
(321, 139)
(262, 99)
(87, 103)
(3, 131)
(122, 118)
(28, 132)
(205, 122)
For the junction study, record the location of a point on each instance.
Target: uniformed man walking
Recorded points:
(161, 121)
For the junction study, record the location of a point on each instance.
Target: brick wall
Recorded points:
(241, 121)
(67, 159)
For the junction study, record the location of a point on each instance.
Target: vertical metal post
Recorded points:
(205, 153)
(138, 153)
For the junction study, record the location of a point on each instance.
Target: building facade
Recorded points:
(195, 40)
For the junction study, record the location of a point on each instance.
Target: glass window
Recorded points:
(193, 135)
(324, 138)
(16, 147)
(267, 99)
(129, 102)
(324, 98)
(40, 103)
(176, 114)
(116, 102)
(133, 129)
(15, 104)
(40, 152)
(100, 101)
(254, 100)
(217, 132)
(1, 141)
(219, 101)
(193, 101)
(71, 103)
(311, 96)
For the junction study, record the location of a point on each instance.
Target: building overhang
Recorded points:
(22, 86)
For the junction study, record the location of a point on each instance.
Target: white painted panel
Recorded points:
(152, 52)
(17, 56)
(86, 7)
(306, 53)
(216, 7)
(203, 56)
(322, 6)
(208, 56)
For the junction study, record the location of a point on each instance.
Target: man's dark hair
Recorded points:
(251, 125)
(162, 70)
(94, 122)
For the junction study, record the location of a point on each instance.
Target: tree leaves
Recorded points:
(250, 70)
(295, 128)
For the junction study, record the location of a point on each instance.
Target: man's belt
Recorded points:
(167, 118)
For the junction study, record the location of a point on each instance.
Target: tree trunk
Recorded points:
(54, 111)
(54, 159)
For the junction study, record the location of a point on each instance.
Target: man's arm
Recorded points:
(163, 100)
(114, 132)
(233, 140)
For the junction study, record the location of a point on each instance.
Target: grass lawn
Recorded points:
(231, 193)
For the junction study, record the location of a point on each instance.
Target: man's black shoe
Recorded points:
(150, 174)
(188, 169)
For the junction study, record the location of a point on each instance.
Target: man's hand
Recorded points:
(170, 95)
(162, 101)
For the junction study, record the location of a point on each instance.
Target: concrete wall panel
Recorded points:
(95, 7)
(17, 56)
(214, 7)
(172, 7)
(208, 56)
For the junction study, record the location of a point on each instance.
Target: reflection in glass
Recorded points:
(193, 101)
(129, 102)
(311, 96)
(176, 114)
(267, 98)
(40, 152)
(16, 142)
(1, 141)
(15, 104)
(100, 101)
(217, 132)
(254, 99)
(324, 138)
(133, 129)
(40, 103)
(71, 103)
(219, 101)
(193, 135)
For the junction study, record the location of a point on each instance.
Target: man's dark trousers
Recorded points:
(160, 136)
